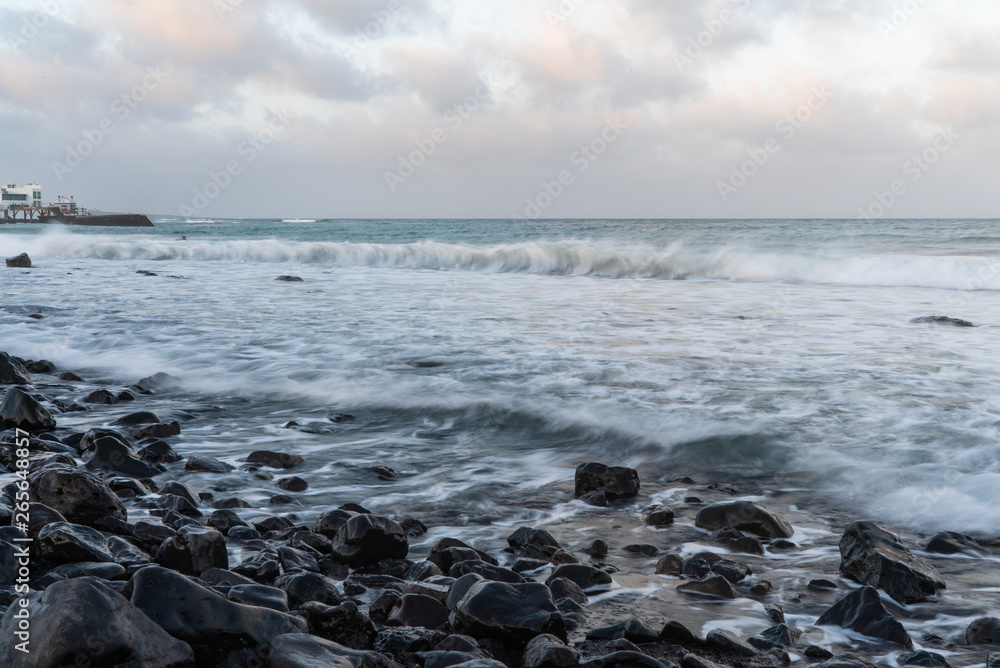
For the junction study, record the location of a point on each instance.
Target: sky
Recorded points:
(505, 108)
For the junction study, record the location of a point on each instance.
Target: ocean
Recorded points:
(482, 360)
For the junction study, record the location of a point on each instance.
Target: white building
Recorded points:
(12, 196)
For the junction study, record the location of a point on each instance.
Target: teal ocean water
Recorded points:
(483, 360)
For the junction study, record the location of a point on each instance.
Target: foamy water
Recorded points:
(484, 362)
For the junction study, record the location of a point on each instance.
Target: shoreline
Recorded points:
(635, 590)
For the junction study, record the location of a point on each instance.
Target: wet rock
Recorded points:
(525, 565)
(632, 630)
(194, 549)
(224, 521)
(730, 643)
(846, 660)
(732, 570)
(583, 575)
(696, 567)
(62, 543)
(12, 372)
(22, 411)
(329, 523)
(262, 567)
(597, 499)
(127, 554)
(111, 454)
(293, 560)
(713, 585)
(222, 634)
(40, 366)
(84, 619)
(983, 631)
(644, 550)
(305, 651)
(151, 533)
(782, 635)
(101, 397)
(548, 651)
(159, 430)
(207, 464)
(775, 613)
(136, 419)
(82, 498)
(993, 660)
(630, 659)
(102, 570)
(232, 502)
(817, 652)
(70, 376)
(526, 537)
(761, 588)
(598, 549)
(950, 542)
(822, 585)
(258, 594)
(670, 564)
(306, 587)
(275, 460)
(365, 540)
(862, 611)
(745, 516)
(873, 556)
(418, 610)
(159, 452)
(923, 658)
(292, 484)
(507, 612)
(21, 261)
(566, 588)
(734, 540)
(941, 320)
(487, 571)
(659, 516)
(289, 279)
(343, 624)
(616, 482)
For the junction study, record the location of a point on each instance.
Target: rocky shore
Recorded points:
(134, 562)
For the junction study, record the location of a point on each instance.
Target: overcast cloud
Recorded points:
(438, 108)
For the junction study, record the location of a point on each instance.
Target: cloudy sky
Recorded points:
(491, 108)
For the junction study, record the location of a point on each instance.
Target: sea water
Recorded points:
(482, 360)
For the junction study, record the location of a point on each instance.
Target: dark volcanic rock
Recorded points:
(983, 631)
(289, 279)
(275, 460)
(845, 660)
(635, 660)
(12, 372)
(40, 366)
(329, 523)
(365, 540)
(566, 588)
(941, 320)
(258, 594)
(745, 516)
(100, 397)
(159, 452)
(547, 651)
(307, 587)
(659, 516)
(730, 643)
(782, 635)
(111, 454)
(207, 464)
(526, 537)
(585, 576)
(222, 634)
(21, 261)
(873, 556)
(21, 410)
(62, 543)
(194, 549)
(418, 610)
(343, 624)
(923, 658)
(81, 497)
(713, 585)
(862, 611)
(305, 651)
(292, 484)
(159, 430)
(508, 612)
(136, 419)
(670, 564)
(632, 630)
(83, 622)
(950, 542)
(616, 482)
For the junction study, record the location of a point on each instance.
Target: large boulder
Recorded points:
(222, 634)
(745, 516)
(82, 498)
(84, 622)
(507, 612)
(12, 372)
(365, 540)
(62, 543)
(21, 410)
(616, 482)
(983, 631)
(305, 651)
(21, 261)
(873, 556)
(862, 611)
(193, 550)
(113, 454)
(305, 587)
